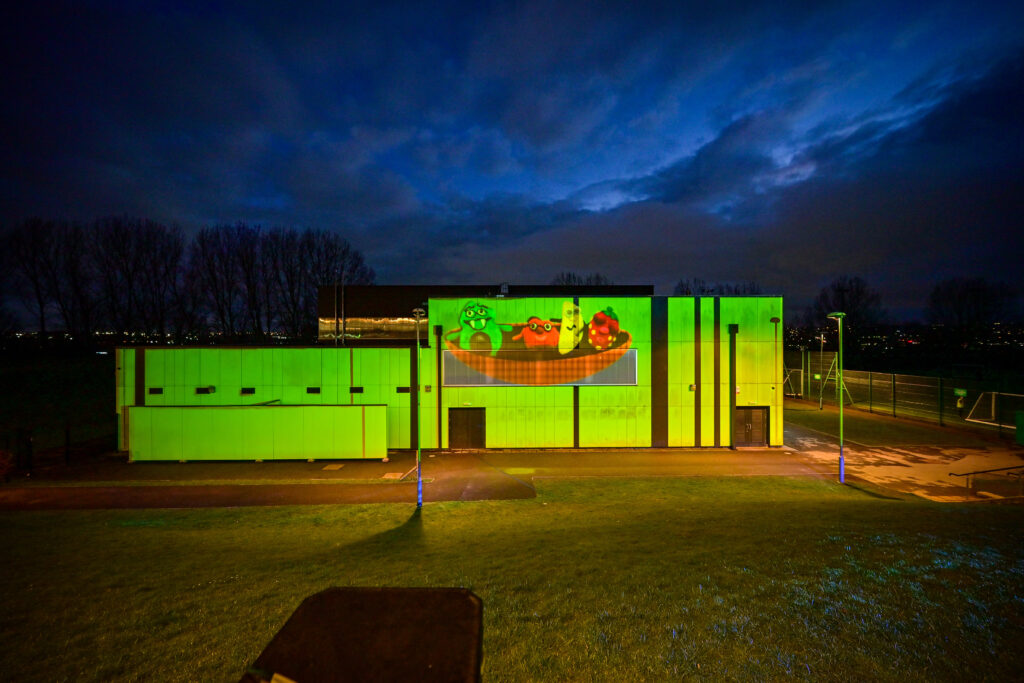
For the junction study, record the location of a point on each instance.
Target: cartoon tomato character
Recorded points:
(603, 329)
(539, 333)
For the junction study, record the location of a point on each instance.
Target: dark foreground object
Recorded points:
(378, 634)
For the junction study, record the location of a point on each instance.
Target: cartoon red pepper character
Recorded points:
(603, 329)
(537, 333)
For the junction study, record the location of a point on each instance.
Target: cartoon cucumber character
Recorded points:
(572, 328)
(476, 318)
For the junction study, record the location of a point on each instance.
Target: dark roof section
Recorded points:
(397, 301)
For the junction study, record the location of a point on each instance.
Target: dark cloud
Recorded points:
(463, 141)
(922, 202)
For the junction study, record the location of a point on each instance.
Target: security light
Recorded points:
(839, 315)
(418, 314)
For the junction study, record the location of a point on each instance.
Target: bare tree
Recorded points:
(159, 275)
(304, 261)
(28, 248)
(698, 287)
(852, 296)
(8, 321)
(137, 262)
(571, 279)
(114, 250)
(970, 303)
(288, 273)
(215, 267)
(188, 313)
(70, 278)
(257, 285)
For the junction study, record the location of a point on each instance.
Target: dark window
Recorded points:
(205, 390)
(312, 390)
(403, 390)
(355, 390)
(156, 390)
(246, 391)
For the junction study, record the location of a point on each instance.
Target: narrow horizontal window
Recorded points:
(403, 390)
(205, 390)
(312, 390)
(355, 390)
(248, 391)
(156, 390)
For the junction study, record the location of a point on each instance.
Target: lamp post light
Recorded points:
(821, 368)
(775, 321)
(838, 316)
(775, 362)
(418, 314)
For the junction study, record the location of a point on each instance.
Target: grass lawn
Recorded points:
(610, 580)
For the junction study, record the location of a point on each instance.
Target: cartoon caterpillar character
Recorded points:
(571, 332)
(476, 318)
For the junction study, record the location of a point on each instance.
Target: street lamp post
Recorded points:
(418, 314)
(775, 362)
(821, 369)
(838, 316)
(775, 321)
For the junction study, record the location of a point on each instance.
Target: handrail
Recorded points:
(967, 484)
(998, 469)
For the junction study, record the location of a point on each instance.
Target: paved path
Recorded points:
(195, 485)
(919, 460)
(492, 475)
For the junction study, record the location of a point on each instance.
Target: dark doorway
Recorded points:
(750, 427)
(467, 428)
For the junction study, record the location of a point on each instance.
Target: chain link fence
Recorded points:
(943, 400)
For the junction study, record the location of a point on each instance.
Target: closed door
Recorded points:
(467, 428)
(750, 427)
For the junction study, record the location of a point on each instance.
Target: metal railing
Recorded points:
(971, 478)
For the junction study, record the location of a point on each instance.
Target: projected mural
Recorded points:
(542, 350)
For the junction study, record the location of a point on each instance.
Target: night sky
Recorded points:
(480, 142)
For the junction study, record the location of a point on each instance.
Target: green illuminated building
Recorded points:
(501, 367)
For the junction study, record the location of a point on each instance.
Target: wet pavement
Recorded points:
(897, 455)
(460, 476)
(919, 459)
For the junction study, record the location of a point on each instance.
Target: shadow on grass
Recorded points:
(408, 533)
(802, 409)
(869, 490)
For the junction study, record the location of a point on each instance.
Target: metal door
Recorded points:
(467, 428)
(750, 427)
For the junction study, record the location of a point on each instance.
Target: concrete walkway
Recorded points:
(491, 475)
(903, 455)
(895, 454)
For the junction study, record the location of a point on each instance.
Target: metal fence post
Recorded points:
(870, 375)
(893, 394)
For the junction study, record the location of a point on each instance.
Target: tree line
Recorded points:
(137, 277)
(965, 304)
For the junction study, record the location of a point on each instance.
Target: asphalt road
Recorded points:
(491, 475)
(917, 460)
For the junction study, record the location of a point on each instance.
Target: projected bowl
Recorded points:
(517, 364)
